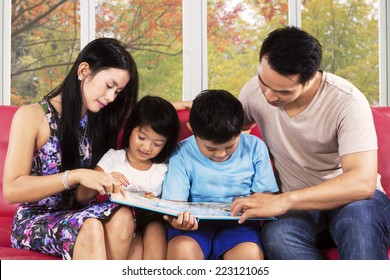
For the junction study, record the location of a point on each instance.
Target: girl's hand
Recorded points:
(185, 221)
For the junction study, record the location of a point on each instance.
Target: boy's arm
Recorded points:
(176, 186)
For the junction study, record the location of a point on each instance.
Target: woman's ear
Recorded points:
(83, 70)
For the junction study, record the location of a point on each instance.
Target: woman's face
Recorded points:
(102, 88)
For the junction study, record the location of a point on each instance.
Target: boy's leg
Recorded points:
(155, 241)
(238, 242)
(244, 251)
(361, 229)
(184, 248)
(190, 245)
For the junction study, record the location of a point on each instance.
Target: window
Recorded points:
(348, 32)
(152, 32)
(44, 43)
(235, 32)
(183, 46)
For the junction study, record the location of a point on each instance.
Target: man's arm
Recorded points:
(357, 182)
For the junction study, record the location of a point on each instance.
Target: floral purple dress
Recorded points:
(51, 226)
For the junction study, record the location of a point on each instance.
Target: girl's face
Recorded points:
(102, 88)
(145, 143)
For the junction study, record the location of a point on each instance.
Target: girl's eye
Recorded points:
(158, 145)
(141, 138)
(108, 86)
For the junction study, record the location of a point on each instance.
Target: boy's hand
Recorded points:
(185, 221)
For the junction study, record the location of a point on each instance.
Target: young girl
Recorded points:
(149, 138)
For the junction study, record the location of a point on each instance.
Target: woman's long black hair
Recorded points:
(104, 126)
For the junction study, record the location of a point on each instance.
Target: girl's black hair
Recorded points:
(161, 116)
(103, 126)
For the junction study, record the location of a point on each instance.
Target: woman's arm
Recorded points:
(29, 132)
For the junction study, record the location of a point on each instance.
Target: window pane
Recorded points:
(152, 32)
(236, 29)
(348, 32)
(45, 42)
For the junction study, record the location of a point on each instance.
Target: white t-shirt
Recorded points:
(144, 181)
(306, 148)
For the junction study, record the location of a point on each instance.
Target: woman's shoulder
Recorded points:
(30, 114)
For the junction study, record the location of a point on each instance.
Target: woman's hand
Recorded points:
(185, 221)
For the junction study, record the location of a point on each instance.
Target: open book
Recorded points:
(201, 210)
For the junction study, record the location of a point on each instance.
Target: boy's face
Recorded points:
(217, 152)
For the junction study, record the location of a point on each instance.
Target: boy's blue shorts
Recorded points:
(217, 237)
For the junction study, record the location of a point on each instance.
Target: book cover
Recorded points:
(201, 210)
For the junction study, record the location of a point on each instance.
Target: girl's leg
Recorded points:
(136, 248)
(244, 251)
(90, 244)
(119, 231)
(155, 241)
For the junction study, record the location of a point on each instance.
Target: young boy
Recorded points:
(216, 164)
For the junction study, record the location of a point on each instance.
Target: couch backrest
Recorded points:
(6, 114)
(382, 125)
(381, 119)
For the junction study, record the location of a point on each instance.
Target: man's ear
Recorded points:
(189, 126)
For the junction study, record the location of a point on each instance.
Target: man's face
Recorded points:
(279, 90)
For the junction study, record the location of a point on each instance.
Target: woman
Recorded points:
(53, 147)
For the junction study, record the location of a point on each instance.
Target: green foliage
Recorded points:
(348, 32)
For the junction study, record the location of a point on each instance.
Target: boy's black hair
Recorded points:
(290, 50)
(161, 116)
(216, 116)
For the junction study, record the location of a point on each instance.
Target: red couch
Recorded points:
(381, 119)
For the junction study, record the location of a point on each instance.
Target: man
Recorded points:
(320, 132)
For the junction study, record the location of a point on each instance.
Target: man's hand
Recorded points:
(185, 221)
(259, 205)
